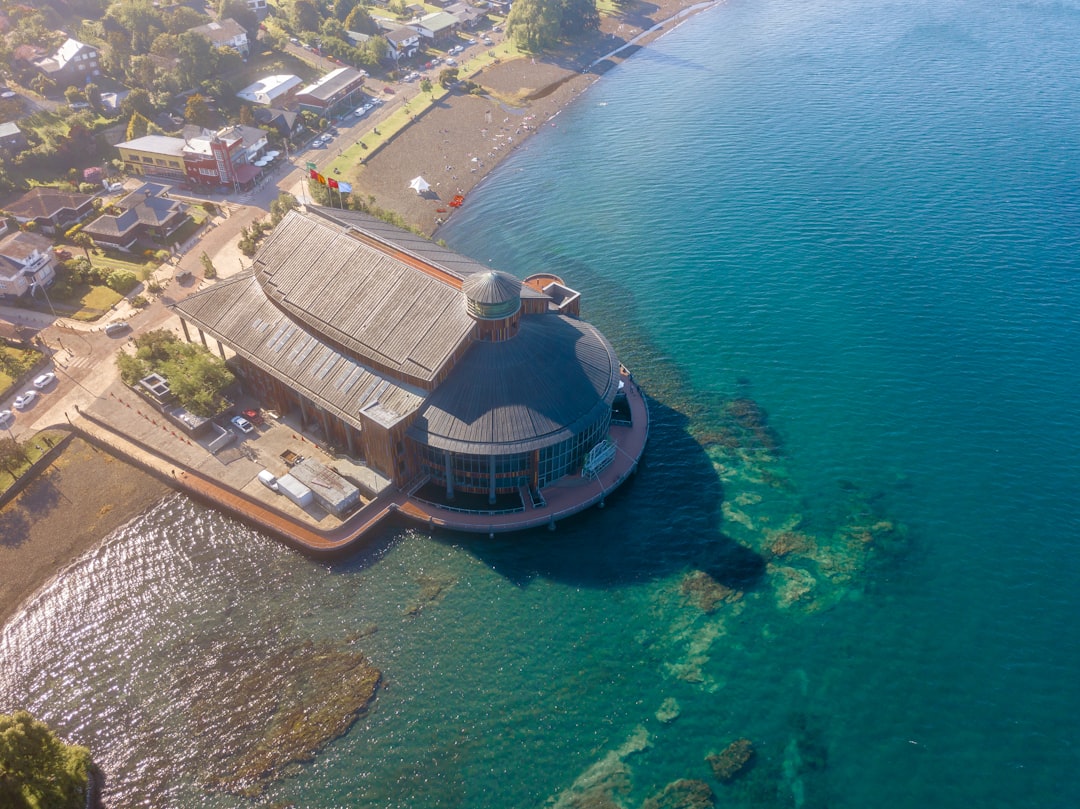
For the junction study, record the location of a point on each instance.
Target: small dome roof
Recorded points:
(491, 288)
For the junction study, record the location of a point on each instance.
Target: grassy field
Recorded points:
(94, 301)
(16, 361)
(34, 448)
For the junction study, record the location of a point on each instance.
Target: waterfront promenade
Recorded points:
(127, 426)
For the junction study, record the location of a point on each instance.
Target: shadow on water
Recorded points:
(664, 520)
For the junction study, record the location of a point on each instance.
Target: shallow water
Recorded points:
(837, 243)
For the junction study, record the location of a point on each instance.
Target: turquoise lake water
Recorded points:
(838, 245)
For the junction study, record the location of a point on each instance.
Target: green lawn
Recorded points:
(31, 447)
(16, 362)
(93, 301)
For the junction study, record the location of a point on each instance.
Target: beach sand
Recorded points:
(455, 143)
(82, 497)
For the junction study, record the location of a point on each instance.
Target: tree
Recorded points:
(447, 76)
(247, 117)
(42, 84)
(198, 379)
(535, 25)
(238, 10)
(122, 281)
(196, 110)
(93, 94)
(361, 21)
(138, 126)
(138, 100)
(37, 769)
(425, 85)
(579, 16)
(209, 270)
(85, 241)
(12, 457)
(304, 16)
(284, 203)
(342, 9)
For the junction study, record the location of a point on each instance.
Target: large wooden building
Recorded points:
(424, 363)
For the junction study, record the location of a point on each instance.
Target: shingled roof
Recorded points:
(365, 295)
(42, 201)
(237, 312)
(536, 389)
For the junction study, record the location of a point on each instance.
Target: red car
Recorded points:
(389, 90)
(253, 416)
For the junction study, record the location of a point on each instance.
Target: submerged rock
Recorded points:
(597, 787)
(685, 793)
(259, 713)
(793, 585)
(669, 710)
(732, 761)
(433, 588)
(706, 593)
(783, 543)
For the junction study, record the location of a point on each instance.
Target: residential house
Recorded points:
(26, 263)
(73, 65)
(287, 124)
(332, 93)
(470, 17)
(53, 210)
(437, 27)
(226, 33)
(404, 42)
(272, 90)
(258, 6)
(12, 140)
(146, 215)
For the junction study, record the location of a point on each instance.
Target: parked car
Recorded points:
(25, 400)
(451, 61)
(254, 416)
(267, 479)
(242, 424)
(44, 380)
(6, 418)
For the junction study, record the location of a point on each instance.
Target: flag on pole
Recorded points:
(311, 166)
(332, 182)
(313, 174)
(344, 187)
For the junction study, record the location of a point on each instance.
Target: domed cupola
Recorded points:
(493, 299)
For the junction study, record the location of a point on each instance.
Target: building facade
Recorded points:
(204, 158)
(73, 65)
(26, 263)
(333, 93)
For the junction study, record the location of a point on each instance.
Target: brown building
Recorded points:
(434, 369)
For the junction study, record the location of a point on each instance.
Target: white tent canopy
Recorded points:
(419, 185)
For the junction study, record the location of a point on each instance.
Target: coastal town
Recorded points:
(169, 176)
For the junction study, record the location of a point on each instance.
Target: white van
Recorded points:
(267, 479)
